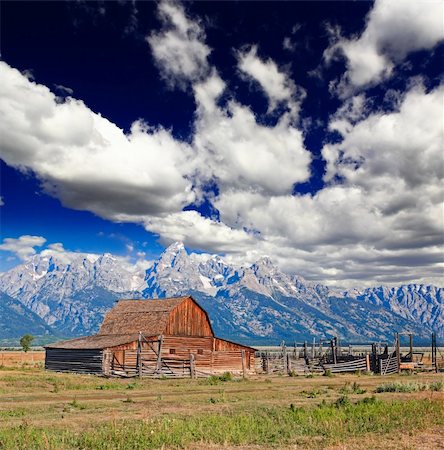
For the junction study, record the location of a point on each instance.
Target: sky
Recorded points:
(309, 132)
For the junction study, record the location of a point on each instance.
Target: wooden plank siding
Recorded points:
(78, 361)
(188, 319)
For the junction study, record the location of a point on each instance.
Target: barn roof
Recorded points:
(148, 316)
(98, 341)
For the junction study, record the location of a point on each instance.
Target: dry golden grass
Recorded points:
(37, 399)
(17, 358)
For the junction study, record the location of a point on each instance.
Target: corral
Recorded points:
(170, 337)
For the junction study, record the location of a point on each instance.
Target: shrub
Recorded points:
(402, 387)
(342, 402)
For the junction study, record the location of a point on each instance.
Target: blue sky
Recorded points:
(307, 131)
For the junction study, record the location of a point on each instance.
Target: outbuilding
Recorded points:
(170, 337)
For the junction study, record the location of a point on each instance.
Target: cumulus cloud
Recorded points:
(393, 30)
(240, 153)
(87, 161)
(381, 216)
(178, 48)
(196, 231)
(23, 246)
(277, 86)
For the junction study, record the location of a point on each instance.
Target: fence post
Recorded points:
(159, 355)
(333, 350)
(434, 353)
(192, 366)
(288, 364)
(268, 362)
(398, 353)
(367, 362)
(244, 370)
(139, 355)
(285, 359)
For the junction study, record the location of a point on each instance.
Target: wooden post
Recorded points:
(313, 348)
(284, 349)
(139, 355)
(159, 355)
(305, 351)
(434, 353)
(244, 370)
(288, 364)
(268, 362)
(192, 366)
(411, 346)
(333, 350)
(398, 353)
(367, 362)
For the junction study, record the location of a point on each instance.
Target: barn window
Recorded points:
(200, 351)
(172, 351)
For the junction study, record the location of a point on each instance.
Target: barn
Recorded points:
(169, 337)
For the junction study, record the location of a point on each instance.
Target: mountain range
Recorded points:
(61, 294)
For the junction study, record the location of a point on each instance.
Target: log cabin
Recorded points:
(169, 337)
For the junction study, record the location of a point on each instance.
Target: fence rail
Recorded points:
(348, 366)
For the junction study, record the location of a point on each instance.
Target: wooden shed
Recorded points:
(171, 337)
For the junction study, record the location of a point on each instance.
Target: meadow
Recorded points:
(45, 410)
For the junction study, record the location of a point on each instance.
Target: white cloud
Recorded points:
(240, 153)
(199, 232)
(393, 30)
(404, 144)
(87, 161)
(277, 86)
(383, 222)
(22, 247)
(178, 48)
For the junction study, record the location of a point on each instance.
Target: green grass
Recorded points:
(397, 386)
(266, 426)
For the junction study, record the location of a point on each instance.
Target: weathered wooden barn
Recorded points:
(171, 337)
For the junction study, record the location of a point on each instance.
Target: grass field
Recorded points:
(44, 410)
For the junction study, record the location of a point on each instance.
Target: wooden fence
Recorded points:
(151, 366)
(356, 365)
(389, 365)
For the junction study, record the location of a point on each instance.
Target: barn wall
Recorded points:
(79, 361)
(188, 319)
(174, 348)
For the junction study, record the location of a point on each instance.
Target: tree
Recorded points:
(25, 341)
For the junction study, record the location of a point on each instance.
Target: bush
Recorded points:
(342, 402)
(216, 379)
(402, 387)
(437, 386)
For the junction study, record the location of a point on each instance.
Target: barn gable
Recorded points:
(180, 316)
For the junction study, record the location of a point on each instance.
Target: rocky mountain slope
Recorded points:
(71, 292)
